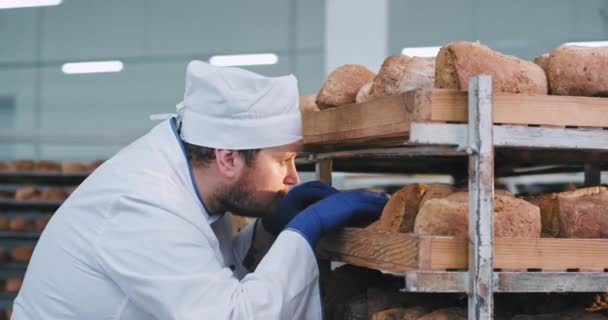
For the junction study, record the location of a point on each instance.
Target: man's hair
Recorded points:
(203, 156)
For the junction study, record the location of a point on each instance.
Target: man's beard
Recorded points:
(241, 199)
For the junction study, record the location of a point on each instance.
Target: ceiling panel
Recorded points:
(17, 35)
(87, 29)
(224, 27)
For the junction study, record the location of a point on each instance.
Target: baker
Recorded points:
(148, 234)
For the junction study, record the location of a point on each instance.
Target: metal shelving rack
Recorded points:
(30, 207)
(477, 141)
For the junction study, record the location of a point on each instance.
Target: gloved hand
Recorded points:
(296, 200)
(334, 211)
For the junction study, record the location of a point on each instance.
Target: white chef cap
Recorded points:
(232, 108)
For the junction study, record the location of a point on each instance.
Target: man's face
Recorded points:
(261, 185)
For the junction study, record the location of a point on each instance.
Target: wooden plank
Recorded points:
(441, 281)
(394, 252)
(399, 252)
(323, 169)
(390, 117)
(379, 118)
(481, 198)
(551, 282)
(445, 105)
(436, 281)
(512, 136)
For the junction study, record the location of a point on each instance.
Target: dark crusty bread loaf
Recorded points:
(457, 61)
(400, 212)
(400, 73)
(449, 216)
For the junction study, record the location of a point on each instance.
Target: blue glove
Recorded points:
(334, 211)
(296, 200)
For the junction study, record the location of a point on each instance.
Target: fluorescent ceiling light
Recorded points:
(588, 43)
(12, 4)
(92, 67)
(421, 51)
(244, 59)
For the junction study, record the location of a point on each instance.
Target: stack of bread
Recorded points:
(49, 166)
(35, 193)
(565, 70)
(440, 209)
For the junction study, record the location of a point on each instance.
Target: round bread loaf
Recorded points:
(22, 254)
(21, 224)
(27, 193)
(47, 166)
(21, 165)
(53, 193)
(73, 167)
(4, 223)
(400, 73)
(342, 85)
(13, 284)
(41, 223)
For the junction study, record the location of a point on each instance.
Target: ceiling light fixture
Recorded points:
(421, 51)
(92, 67)
(244, 59)
(588, 43)
(13, 4)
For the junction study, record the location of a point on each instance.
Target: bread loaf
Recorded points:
(583, 213)
(400, 212)
(437, 191)
(542, 61)
(46, 166)
(3, 166)
(578, 71)
(3, 223)
(400, 73)
(13, 284)
(73, 167)
(21, 224)
(53, 193)
(548, 213)
(22, 254)
(399, 314)
(457, 61)
(446, 314)
(364, 93)
(41, 223)
(449, 216)
(27, 193)
(342, 85)
(307, 103)
(21, 165)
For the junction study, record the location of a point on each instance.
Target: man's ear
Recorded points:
(229, 163)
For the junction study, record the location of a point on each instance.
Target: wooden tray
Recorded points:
(390, 118)
(401, 252)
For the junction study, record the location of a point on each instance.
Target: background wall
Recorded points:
(156, 39)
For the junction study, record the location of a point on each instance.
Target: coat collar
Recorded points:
(212, 217)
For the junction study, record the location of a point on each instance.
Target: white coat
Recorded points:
(135, 241)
